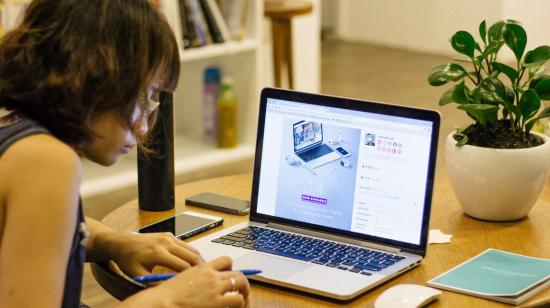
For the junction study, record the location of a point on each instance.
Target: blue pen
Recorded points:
(160, 277)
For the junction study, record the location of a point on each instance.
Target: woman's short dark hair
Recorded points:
(71, 60)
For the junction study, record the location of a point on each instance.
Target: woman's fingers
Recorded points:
(221, 264)
(241, 283)
(233, 300)
(139, 270)
(185, 254)
(171, 261)
(188, 247)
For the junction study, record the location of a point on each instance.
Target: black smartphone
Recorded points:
(184, 225)
(219, 203)
(342, 151)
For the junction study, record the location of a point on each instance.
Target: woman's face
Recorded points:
(114, 137)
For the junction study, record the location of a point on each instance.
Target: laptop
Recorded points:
(309, 145)
(354, 224)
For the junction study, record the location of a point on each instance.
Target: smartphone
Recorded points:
(184, 225)
(219, 203)
(342, 151)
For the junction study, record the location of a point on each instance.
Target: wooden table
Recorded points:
(530, 236)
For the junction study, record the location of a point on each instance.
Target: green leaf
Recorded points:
(529, 103)
(495, 31)
(515, 37)
(482, 113)
(510, 96)
(483, 31)
(493, 47)
(461, 94)
(464, 43)
(506, 70)
(492, 90)
(543, 114)
(447, 97)
(442, 74)
(533, 83)
(537, 56)
(514, 109)
(477, 47)
(543, 89)
(461, 139)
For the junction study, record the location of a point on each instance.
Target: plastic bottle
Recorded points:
(211, 89)
(227, 115)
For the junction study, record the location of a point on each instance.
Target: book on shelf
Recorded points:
(497, 275)
(235, 14)
(188, 19)
(185, 35)
(169, 8)
(211, 22)
(201, 27)
(219, 20)
(204, 22)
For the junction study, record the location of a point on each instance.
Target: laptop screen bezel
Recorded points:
(358, 105)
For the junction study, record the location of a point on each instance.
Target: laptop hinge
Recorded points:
(333, 237)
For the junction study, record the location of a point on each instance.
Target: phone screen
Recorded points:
(182, 225)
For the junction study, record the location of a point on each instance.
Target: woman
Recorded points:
(80, 79)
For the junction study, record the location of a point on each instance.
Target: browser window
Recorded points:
(375, 187)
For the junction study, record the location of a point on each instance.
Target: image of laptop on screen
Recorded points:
(309, 146)
(339, 233)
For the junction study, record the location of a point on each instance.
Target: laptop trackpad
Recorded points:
(271, 266)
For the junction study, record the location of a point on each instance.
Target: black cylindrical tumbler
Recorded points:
(156, 169)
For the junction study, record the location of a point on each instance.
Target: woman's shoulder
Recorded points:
(40, 153)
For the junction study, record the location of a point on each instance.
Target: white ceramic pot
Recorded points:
(497, 184)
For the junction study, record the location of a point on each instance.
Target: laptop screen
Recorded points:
(375, 186)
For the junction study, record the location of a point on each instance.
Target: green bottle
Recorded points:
(227, 115)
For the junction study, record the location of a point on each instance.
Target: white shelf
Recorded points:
(217, 50)
(190, 156)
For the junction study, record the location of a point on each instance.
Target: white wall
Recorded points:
(427, 25)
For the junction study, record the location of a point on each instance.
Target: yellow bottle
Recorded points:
(227, 115)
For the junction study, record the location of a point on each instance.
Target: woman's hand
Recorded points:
(137, 254)
(209, 284)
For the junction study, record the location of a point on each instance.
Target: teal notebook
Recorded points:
(497, 275)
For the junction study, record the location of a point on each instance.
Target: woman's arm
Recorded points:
(40, 184)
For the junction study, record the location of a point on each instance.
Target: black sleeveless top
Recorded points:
(75, 266)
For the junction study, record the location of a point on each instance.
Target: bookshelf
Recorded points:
(239, 59)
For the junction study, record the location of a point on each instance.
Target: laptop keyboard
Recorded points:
(315, 153)
(341, 256)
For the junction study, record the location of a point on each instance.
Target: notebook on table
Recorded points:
(354, 223)
(497, 275)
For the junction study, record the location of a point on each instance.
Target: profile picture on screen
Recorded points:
(370, 139)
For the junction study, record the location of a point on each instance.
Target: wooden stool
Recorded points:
(281, 12)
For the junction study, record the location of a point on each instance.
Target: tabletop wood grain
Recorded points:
(529, 236)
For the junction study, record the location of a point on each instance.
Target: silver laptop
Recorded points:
(309, 145)
(355, 223)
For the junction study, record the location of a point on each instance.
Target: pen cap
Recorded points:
(156, 169)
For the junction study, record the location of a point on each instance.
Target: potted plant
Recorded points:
(497, 166)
